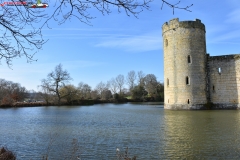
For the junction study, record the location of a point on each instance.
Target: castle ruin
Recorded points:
(194, 79)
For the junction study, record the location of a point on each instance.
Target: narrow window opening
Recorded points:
(187, 80)
(166, 42)
(213, 88)
(188, 101)
(189, 59)
(167, 82)
(219, 70)
(168, 100)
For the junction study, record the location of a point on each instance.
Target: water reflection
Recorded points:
(149, 131)
(202, 134)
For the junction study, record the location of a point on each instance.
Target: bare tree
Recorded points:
(11, 92)
(106, 94)
(14, 40)
(56, 80)
(113, 85)
(131, 77)
(46, 95)
(141, 76)
(80, 90)
(120, 82)
(176, 6)
(94, 94)
(86, 90)
(101, 87)
(17, 42)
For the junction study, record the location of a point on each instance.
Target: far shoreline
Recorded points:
(79, 102)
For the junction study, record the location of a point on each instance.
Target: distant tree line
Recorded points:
(57, 89)
(11, 92)
(140, 87)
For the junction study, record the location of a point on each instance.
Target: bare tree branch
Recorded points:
(55, 80)
(21, 27)
(175, 6)
(131, 77)
(19, 37)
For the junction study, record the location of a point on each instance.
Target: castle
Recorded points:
(194, 79)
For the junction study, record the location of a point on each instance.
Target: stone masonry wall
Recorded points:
(183, 39)
(192, 78)
(224, 77)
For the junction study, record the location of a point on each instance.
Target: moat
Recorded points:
(147, 129)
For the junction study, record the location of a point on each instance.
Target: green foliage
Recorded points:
(139, 92)
(116, 96)
(69, 93)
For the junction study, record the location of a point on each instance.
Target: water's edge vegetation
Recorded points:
(56, 90)
(80, 102)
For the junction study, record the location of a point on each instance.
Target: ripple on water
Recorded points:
(150, 132)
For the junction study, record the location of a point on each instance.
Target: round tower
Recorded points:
(185, 78)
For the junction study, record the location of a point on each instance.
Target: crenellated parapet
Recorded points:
(184, 45)
(224, 57)
(175, 23)
(194, 79)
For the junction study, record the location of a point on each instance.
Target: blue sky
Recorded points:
(116, 43)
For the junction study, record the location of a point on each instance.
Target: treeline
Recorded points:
(11, 92)
(57, 89)
(140, 87)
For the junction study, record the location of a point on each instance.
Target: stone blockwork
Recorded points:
(224, 85)
(193, 79)
(184, 64)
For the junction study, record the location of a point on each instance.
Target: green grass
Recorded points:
(129, 97)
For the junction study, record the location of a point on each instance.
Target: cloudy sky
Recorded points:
(116, 43)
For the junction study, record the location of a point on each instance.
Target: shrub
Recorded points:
(5, 154)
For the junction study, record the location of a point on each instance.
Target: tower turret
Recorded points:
(185, 80)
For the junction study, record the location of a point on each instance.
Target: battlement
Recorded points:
(175, 23)
(224, 57)
(194, 79)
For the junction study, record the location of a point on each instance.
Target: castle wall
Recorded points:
(224, 81)
(182, 40)
(192, 78)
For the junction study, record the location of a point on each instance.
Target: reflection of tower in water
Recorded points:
(201, 134)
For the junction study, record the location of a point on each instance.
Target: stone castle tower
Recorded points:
(184, 64)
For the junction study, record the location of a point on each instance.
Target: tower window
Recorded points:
(213, 88)
(219, 70)
(187, 80)
(167, 82)
(189, 59)
(166, 42)
(188, 101)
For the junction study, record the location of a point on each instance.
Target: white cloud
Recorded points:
(230, 36)
(142, 43)
(234, 17)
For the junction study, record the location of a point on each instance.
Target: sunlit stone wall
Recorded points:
(185, 79)
(224, 75)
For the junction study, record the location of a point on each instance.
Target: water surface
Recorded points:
(149, 131)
